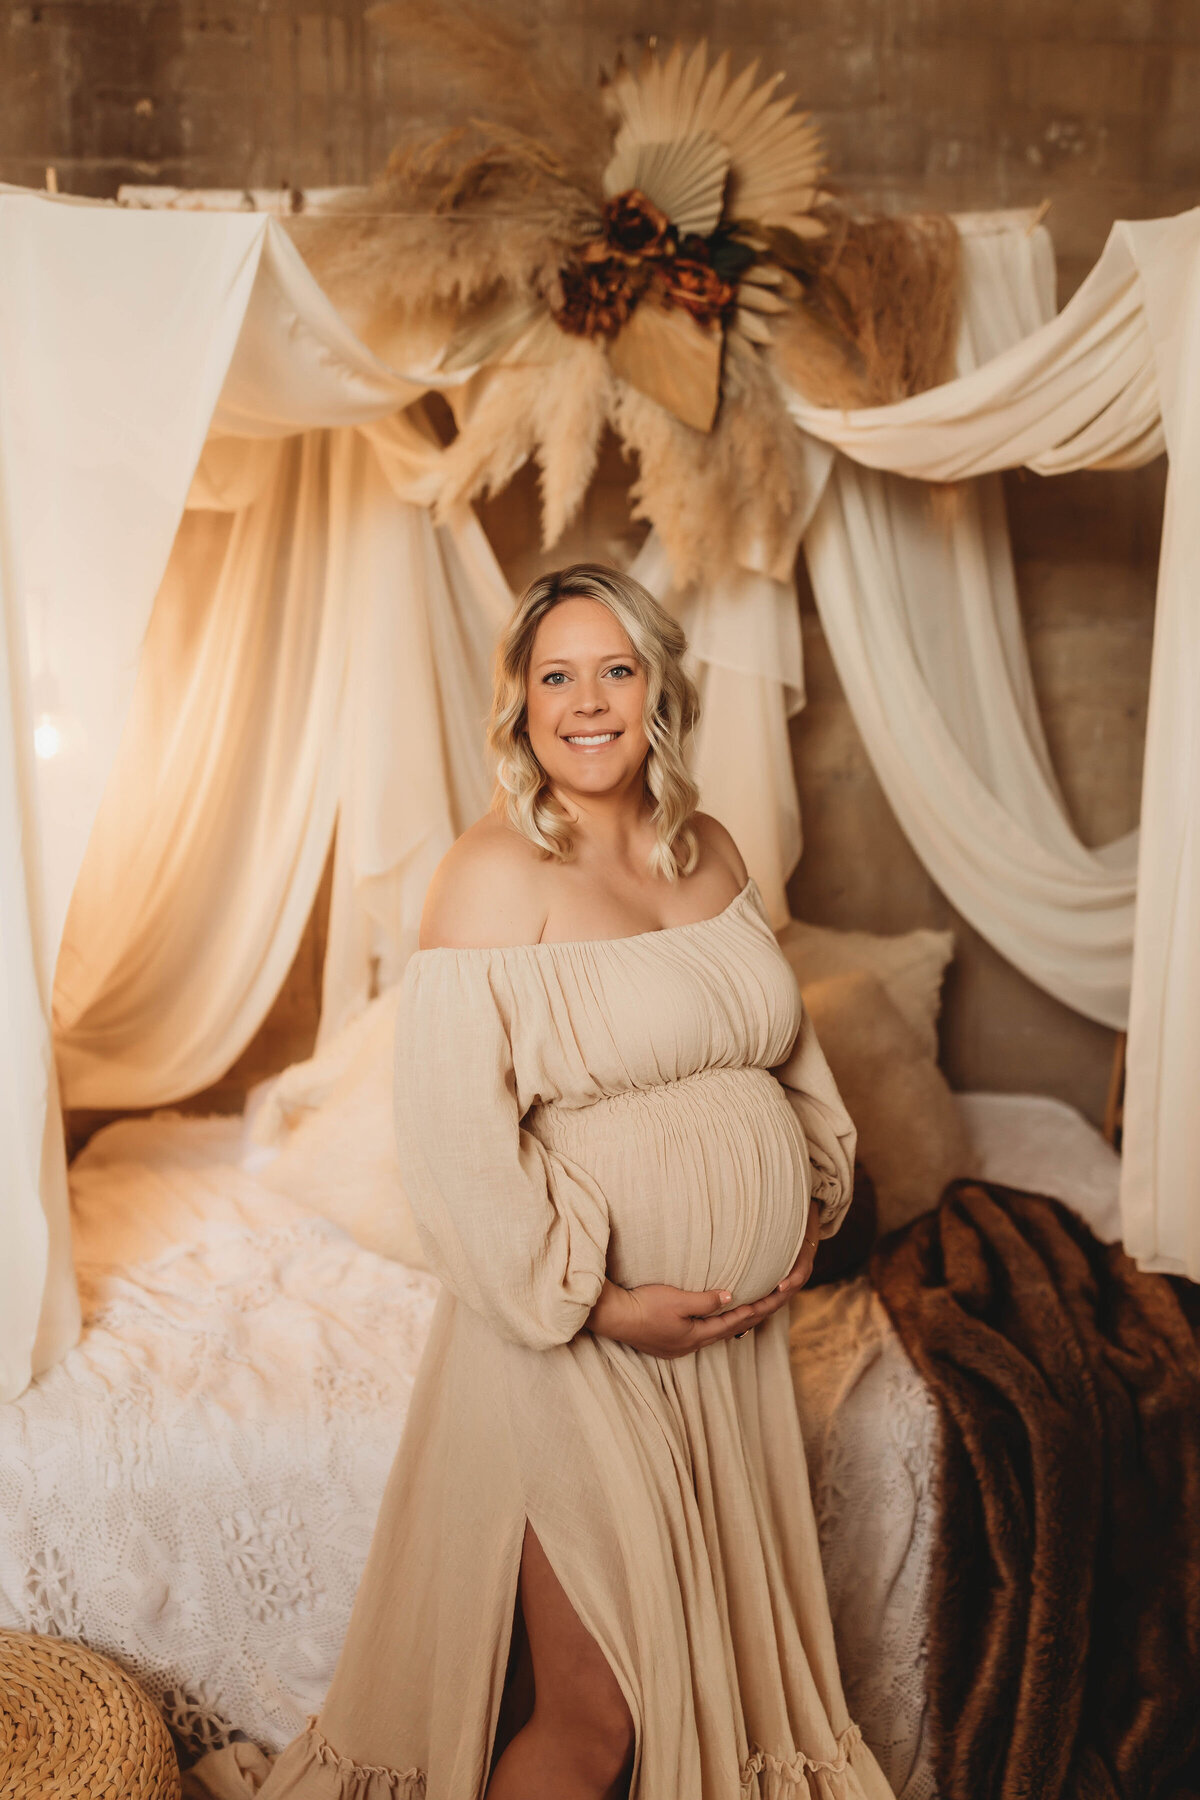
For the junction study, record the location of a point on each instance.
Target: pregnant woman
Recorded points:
(595, 1571)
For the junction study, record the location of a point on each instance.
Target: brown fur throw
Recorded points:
(1064, 1659)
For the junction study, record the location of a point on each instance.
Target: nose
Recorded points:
(588, 704)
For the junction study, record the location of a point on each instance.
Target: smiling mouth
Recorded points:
(591, 740)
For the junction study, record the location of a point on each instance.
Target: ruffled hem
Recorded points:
(319, 1770)
(311, 1769)
(801, 1777)
(308, 1769)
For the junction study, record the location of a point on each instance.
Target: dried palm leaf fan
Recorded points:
(721, 159)
(645, 256)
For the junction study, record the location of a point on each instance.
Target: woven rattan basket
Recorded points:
(73, 1726)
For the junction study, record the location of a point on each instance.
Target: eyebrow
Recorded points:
(547, 662)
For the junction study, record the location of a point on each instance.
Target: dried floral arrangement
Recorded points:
(654, 255)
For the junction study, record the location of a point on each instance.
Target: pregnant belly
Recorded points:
(707, 1178)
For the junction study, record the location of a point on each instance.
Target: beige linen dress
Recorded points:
(656, 1107)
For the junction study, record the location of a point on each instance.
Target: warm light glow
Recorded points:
(47, 737)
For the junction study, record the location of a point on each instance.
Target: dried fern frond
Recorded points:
(483, 63)
(485, 204)
(449, 221)
(495, 437)
(735, 495)
(880, 317)
(569, 416)
(555, 413)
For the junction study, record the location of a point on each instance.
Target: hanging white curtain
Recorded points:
(428, 605)
(320, 651)
(923, 623)
(117, 332)
(213, 831)
(1084, 393)
(914, 621)
(747, 659)
(1081, 393)
(102, 415)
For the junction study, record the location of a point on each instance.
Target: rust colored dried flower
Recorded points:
(599, 295)
(635, 227)
(697, 288)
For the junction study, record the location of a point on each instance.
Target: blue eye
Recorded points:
(556, 677)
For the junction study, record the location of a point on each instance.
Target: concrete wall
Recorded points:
(1090, 104)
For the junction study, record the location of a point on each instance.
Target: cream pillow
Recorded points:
(910, 965)
(912, 1138)
(332, 1120)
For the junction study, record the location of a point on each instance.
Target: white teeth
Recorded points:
(603, 737)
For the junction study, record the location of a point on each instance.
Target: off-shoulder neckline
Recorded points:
(630, 937)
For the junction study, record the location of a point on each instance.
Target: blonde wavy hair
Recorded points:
(672, 706)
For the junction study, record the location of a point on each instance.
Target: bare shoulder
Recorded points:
(487, 892)
(717, 845)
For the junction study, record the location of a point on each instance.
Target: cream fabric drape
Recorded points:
(102, 415)
(429, 604)
(318, 652)
(117, 332)
(922, 619)
(746, 657)
(1160, 1165)
(1084, 392)
(1081, 393)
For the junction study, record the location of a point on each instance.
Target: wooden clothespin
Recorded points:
(1038, 216)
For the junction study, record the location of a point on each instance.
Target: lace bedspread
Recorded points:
(193, 1489)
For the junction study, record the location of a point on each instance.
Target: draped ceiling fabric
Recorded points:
(281, 687)
(1084, 392)
(925, 630)
(117, 334)
(308, 545)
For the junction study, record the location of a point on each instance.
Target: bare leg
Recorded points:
(516, 1702)
(578, 1744)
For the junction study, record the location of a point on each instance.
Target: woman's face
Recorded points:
(585, 692)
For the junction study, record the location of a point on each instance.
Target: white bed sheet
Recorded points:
(193, 1489)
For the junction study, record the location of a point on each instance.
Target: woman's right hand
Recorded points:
(670, 1321)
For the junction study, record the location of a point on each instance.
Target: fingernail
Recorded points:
(726, 1296)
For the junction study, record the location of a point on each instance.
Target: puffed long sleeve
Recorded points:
(514, 1231)
(831, 1133)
